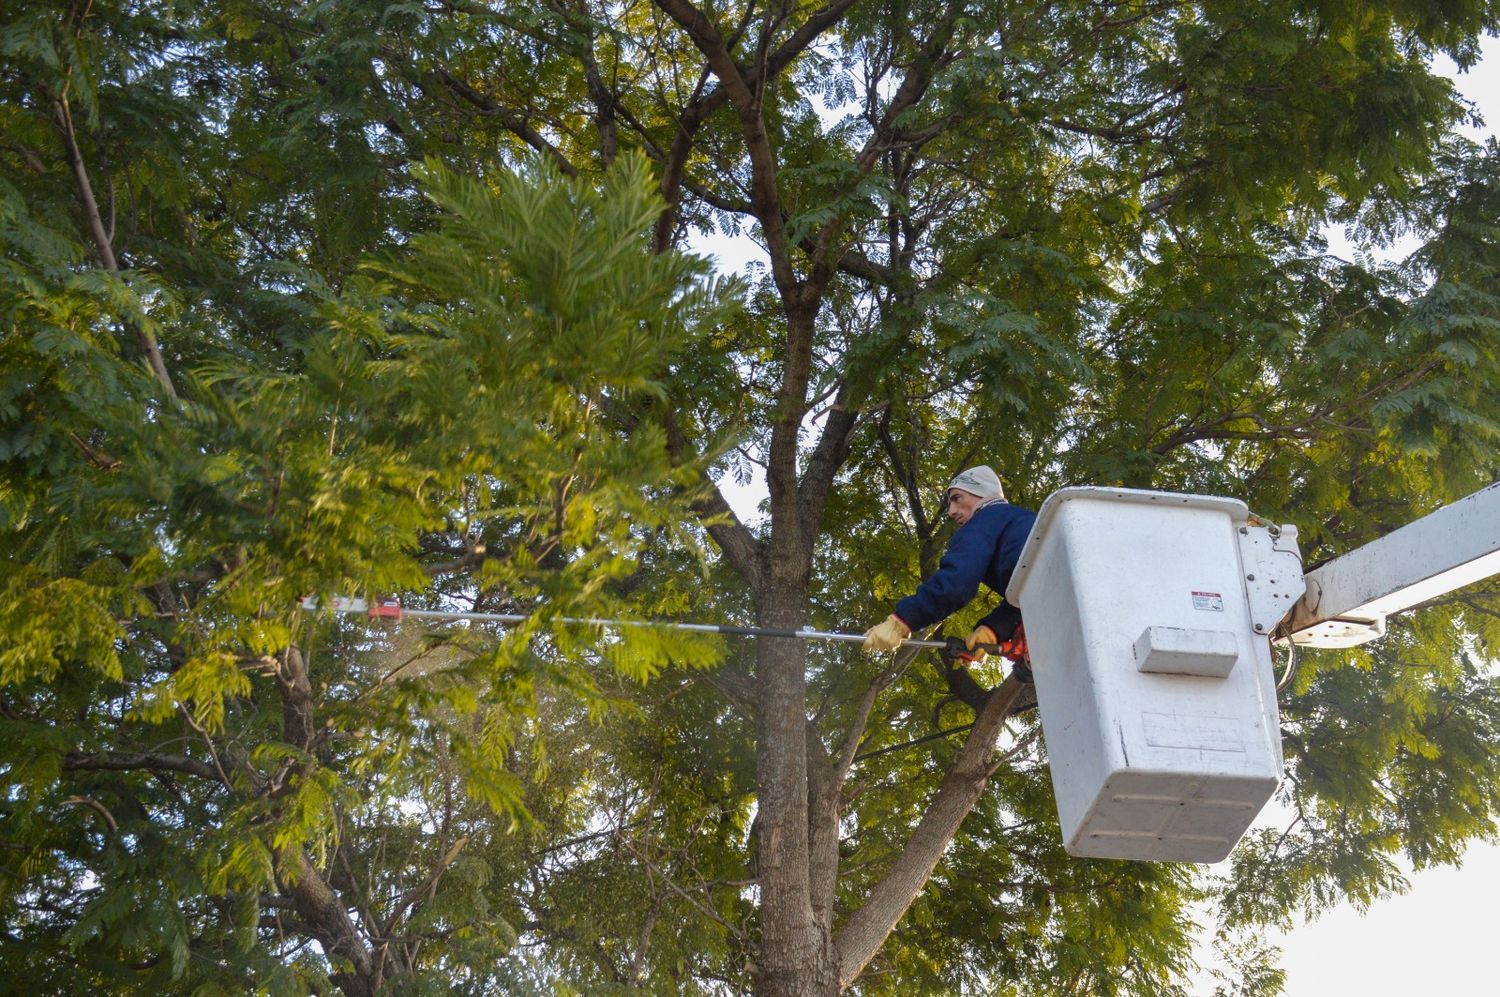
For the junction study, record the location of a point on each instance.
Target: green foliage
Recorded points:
(50, 621)
(190, 758)
(1387, 760)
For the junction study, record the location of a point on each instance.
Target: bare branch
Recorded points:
(98, 808)
(513, 122)
(62, 116)
(125, 761)
(426, 888)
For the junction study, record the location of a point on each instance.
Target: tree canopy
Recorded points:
(401, 299)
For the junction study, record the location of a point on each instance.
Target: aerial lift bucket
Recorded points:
(1148, 616)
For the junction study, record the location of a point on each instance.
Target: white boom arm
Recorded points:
(1348, 598)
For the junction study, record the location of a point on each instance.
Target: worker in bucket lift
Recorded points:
(984, 548)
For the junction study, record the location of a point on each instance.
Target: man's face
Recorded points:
(961, 505)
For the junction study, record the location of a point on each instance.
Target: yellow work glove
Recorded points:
(887, 636)
(981, 635)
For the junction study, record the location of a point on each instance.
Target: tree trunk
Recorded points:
(796, 948)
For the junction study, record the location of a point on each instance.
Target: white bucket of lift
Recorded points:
(1147, 615)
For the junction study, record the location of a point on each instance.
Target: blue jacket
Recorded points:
(985, 549)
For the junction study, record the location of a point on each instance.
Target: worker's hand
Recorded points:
(887, 636)
(977, 640)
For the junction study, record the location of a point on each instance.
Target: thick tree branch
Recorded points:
(745, 553)
(601, 94)
(706, 37)
(674, 162)
(703, 105)
(317, 902)
(824, 810)
(297, 725)
(458, 565)
(913, 88)
(744, 93)
(868, 927)
(857, 264)
(126, 761)
(826, 458)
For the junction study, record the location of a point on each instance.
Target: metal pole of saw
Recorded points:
(390, 608)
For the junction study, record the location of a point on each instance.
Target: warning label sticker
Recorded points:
(1211, 602)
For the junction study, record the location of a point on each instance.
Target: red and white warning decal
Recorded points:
(1209, 602)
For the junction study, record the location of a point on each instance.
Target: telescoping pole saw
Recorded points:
(392, 609)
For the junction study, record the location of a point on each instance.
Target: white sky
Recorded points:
(1436, 939)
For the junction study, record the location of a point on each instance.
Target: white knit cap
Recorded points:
(981, 481)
